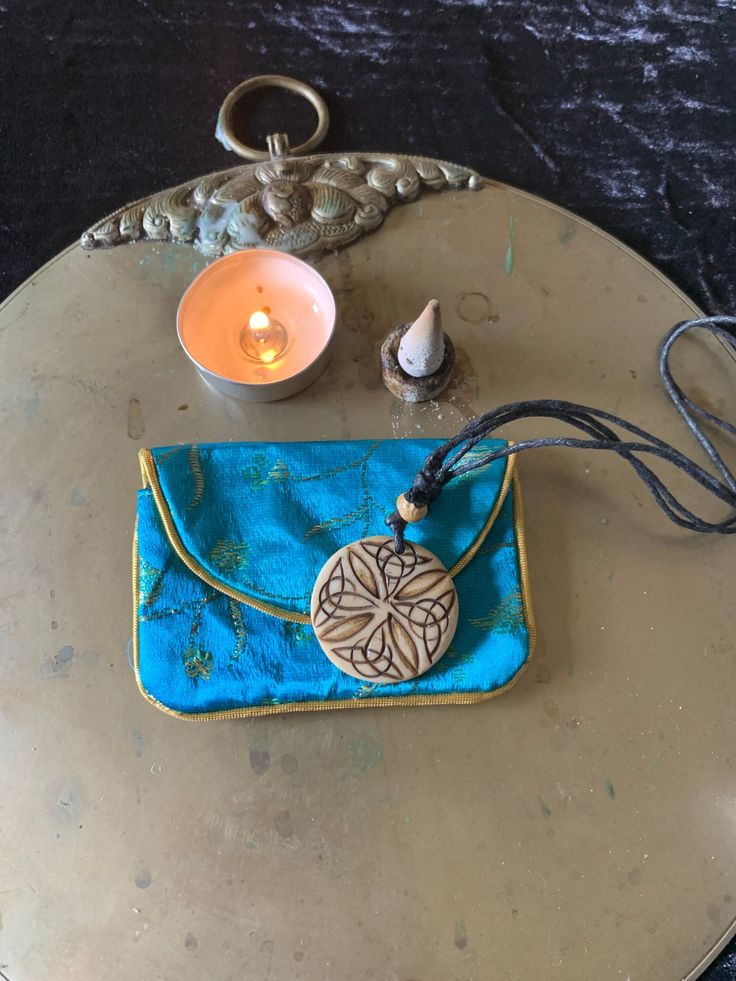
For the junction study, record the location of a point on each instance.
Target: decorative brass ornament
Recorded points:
(302, 205)
(383, 617)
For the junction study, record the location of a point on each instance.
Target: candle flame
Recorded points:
(264, 339)
(259, 320)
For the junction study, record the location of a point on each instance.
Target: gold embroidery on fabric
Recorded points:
(363, 512)
(173, 611)
(163, 457)
(239, 629)
(279, 471)
(506, 617)
(195, 465)
(335, 471)
(457, 664)
(254, 473)
(344, 521)
(152, 580)
(367, 689)
(228, 555)
(470, 457)
(299, 633)
(198, 663)
(259, 476)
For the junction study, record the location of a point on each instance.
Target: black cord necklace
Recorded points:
(443, 465)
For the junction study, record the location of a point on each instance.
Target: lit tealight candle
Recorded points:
(258, 324)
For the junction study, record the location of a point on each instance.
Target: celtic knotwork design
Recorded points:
(382, 616)
(305, 206)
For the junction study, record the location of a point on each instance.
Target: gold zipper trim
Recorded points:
(399, 701)
(526, 592)
(150, 478)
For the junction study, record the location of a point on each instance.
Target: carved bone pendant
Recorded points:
(383, 617)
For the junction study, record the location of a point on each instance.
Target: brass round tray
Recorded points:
(579, 826)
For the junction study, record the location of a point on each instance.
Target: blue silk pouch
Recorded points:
(231, 537)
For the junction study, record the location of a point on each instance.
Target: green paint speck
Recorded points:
(77, 498)
(461, 936)
(544, 808)
(31, 406)
(567, 231)
(365, 752)
(658, 759)
(508, 262)
(609, 789)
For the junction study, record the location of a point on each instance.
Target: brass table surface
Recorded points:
(579, 826)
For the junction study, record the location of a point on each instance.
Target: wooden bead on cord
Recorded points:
(410, 512)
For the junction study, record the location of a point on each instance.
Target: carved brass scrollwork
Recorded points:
(302, 205)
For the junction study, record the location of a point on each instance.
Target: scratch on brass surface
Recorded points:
(136, 425)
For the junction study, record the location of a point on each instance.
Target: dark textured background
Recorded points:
(621, 110)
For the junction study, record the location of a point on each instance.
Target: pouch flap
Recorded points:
(263, 518)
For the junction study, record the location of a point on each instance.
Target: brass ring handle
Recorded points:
(225, 117)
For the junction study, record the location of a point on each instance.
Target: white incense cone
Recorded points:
(422, 347)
